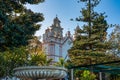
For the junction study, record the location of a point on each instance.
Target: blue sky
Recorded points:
(67, 9)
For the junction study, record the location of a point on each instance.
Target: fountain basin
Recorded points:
(40, 72)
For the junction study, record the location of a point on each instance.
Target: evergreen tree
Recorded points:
(114, 39)
(17, 24)
(17, 27)
(90, 43)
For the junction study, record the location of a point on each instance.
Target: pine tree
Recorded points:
(90, 44)
(17, 24)
(17, 27)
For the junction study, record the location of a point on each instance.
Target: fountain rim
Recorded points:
(39, 67)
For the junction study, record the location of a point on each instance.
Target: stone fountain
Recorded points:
(40, 72)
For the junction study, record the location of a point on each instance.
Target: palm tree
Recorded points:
(61, 63)
(40, 59)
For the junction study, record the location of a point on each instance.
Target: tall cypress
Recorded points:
(90, 45)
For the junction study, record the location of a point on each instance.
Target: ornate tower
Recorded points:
(54, 44)
(52, 40)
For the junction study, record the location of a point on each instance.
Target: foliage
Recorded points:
(90, 44)
(62, 63)
(17, 27)
(17, 24)
(40, 60)
(86, 75)
(37, 55)
(21, 56)
(114, 39)
(11, 59)
(77, 73)
(34, 46)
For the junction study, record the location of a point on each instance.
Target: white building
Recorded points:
(55, 44)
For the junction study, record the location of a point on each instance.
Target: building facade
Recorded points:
(54, 43)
